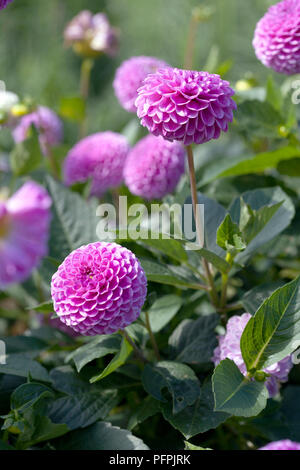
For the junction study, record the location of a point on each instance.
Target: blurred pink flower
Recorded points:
(92, 35)
(277, 37)
(24, 228)
(47, 123)
(99, 157)
(285, 444)
(4, 3)
(154, 167)
(229, 347)
(130, 76)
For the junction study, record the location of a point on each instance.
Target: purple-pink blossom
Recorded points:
(4, 3)
(99, 158)
(100, 288)
(229, 347)
(130, 76)
(24, 229)
(277, 37)
(91, 35)
(185, 105)
(154, 167)
(48, 125)
(284, 444)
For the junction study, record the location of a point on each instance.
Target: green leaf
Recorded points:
(170, 246)
(45, 307)
(28, 394)
(290, 410)
(163, 310)
(95, 349)
(27, 155)
(255, 221)
(164, 274)
(189, 446)
(193, 341)
(259, 119)
(236, 394)
(117, 361)
(83, 409)
(100, 436)
(74, 220)
(253, 299)
(22, 365)
(280, 216)
(274, 95)
(179, 379)
(214, 259)
(229, 236)
(73, 108)
(149, 407)
(5, 446)
(273, 332)
(260, 162)
(198, 418)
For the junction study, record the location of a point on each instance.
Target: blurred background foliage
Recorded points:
(34, 61)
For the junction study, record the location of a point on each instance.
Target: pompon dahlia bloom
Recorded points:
(229, 347)
(4, 3)
(92, 35)
(154, 167)
(130, 76)
(47, 123)
(24, 227)
(285, 444)
(185, 105)
(99, 289)
(99, 157)
(277, 37)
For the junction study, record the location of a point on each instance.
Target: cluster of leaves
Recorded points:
(59, 392)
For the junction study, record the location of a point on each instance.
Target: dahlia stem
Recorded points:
(191, 40)
(85, 79)
(152, 337)
(225, 277)
(134, 346)
(199, 228)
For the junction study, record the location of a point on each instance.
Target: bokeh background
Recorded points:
(34, 61)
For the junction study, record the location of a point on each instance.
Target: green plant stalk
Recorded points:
(225, 277)
(85, 79)
(209, 277)
(152, 337)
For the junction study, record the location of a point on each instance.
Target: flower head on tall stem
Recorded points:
(92, 35)
(185, 105)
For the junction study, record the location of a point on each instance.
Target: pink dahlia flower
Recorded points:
(99, 157)
(24, 227)
(154, 167)
(229, 347)
(92, 35)
(185, 105)
(4, 3)
(130, 76)
(277, 37)
(99, 289)
(48, 125)
(285, 444)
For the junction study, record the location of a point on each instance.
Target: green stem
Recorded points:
(134, 346)
(225, 277)
(152, 337)
(199, 228)
(191, 40)
(85, 78)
